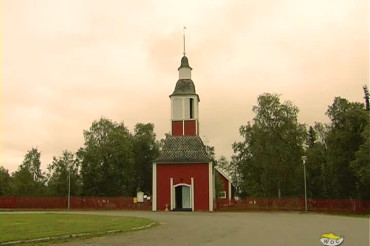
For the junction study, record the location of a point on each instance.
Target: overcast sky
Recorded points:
(68, 63)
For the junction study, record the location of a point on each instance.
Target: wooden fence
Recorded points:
(245, 204)
(75, 203)
(353, 206)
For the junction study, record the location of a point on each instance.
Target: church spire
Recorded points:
(184, 69)
(184, 38)
(184, 102)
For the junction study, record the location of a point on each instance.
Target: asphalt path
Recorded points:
(235, 228)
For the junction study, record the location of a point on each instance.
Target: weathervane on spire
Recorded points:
(184, 39)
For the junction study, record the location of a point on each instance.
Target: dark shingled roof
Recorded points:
(184, 63)
(183, 149)
(184, 87)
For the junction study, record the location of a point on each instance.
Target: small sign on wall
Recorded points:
(140, 196)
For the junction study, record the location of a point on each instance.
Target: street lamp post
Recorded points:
(304, 158)
(69, 188)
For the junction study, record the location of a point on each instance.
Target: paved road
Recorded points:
(236, 228)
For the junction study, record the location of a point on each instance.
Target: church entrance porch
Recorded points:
(182, 186)
(182, 198)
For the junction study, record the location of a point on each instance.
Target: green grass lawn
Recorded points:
(14, 227)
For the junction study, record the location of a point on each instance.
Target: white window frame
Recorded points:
(222, 194)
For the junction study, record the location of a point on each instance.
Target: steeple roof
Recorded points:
(184, 63)
(184, 87)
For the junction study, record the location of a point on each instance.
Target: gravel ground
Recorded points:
(235, 228)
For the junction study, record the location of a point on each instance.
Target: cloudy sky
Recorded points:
(68, 63)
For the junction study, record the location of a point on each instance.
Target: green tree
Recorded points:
(28, 179)
(60, 170)
(348, 122)
(366, 97)
(229, 168)
(224, 165)
(163, 140)
(211, 153)
(146, 150)
(5, 182)
(107, 160)
(250, 172)
(311, 137)
(361, 165)
(316, 164)
(269, 157)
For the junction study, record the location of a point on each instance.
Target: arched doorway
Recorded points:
(183, 198)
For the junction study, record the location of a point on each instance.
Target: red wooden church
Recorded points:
(183, 175)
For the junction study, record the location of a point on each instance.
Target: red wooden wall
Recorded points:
(245, 204)
(182, 173)
(296, 204)
(76, 203)
(190, 129)
(225, 184)
(177, 128)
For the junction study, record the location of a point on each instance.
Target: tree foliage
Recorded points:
(224, 165)
(269, 156)
(361, 165)
(338, 154)
(61, 170)
(5, 182)
(146, 150)
(266, 163)
(28, 179)
(229, 168)
(107, 160)
(311, 139)
(115, 162)
(338, 157)
(316, 164)
(366, 97)
(345, 136)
